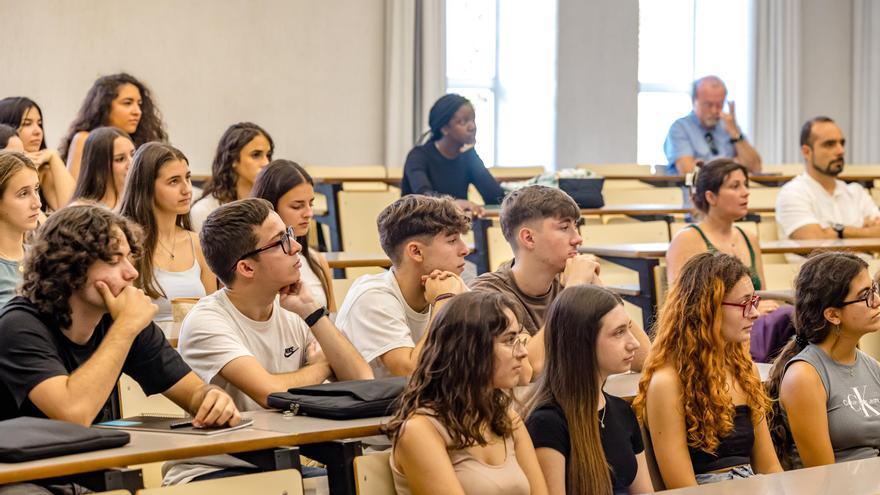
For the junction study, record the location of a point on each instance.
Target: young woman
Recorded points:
(25, 116)
(586, 440)
(829, 390)
(700, 396)
(9, 139)
(106, 157)
(291, 191)
(455, 431)
(448, 163)
(721, 194)
(117, 100)
(19, 214)
(158, 194)
(244, 149)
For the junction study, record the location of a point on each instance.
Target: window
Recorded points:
(510, 77)
(682, 40)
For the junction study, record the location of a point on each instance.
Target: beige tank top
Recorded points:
(475, 476)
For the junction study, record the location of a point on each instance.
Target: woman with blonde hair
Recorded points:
(700, 396)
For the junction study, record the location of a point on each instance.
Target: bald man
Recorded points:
(708, 132)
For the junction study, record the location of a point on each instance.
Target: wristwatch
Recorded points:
(838, 227)
(316, 315)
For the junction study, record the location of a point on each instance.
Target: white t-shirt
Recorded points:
(312, 282)
(376, 319)
(200, 211)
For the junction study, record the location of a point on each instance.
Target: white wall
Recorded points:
(310, 72)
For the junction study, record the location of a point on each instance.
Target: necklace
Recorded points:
(602, 419)
(173, 243)
(19, 263)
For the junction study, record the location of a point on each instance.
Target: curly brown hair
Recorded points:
(415, 215)
(223, 179)
(59, 257)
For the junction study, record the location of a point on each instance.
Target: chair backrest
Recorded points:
(357, 218)
(133, 401)
(283, 482)
(379, 172)
(653, 467)
(372, 474)
(653, 231)
(780, 276)
(502, 173)
(763, 197)
(646, 194)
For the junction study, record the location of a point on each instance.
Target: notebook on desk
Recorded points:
(169, 424)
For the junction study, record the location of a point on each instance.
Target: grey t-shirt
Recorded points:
(853, 404)
(10, 278)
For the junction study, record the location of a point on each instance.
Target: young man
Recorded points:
(541, 225)
(386, 315)
(262, 332)
(79, 323)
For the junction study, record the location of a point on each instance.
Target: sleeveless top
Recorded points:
(753, 268)
(311, 281)
(474, 475)
(187, 283)
(853, 404)
(733, 450)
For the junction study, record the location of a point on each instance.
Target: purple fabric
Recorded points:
(770, 334)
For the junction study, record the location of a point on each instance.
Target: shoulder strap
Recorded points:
(709, 244)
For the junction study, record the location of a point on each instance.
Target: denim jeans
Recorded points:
(732, 474)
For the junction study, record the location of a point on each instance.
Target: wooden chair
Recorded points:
(357, 223)
(780, 276)
(644, 194)
(763, 197)
(283, 482)
(505, 173)
(372, 474)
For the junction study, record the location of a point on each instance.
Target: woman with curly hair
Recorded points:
(19, 214)
(829, 390)
(106, 158)
(117, 100)
(455, 431)
(700, 396)
(244, 149)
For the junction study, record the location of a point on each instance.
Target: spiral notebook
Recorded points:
(165, 423)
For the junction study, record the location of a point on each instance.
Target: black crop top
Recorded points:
(734, 449)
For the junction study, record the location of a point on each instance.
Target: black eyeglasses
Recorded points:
(283, 241)
(746, 306)
(710, 140)
(870, 298)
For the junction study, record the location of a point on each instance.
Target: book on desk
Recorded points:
(164, 423)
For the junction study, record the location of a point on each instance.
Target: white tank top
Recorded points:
(187, 283)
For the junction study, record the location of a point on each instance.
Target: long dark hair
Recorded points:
(137, 204)
(95, 112)
(275, 181)
(12, 111)
(221, 185)
(823, 282)
(571, 379)
(454, 374)
(96, 168)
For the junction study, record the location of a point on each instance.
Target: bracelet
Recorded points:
(315, 316)
(445, 295)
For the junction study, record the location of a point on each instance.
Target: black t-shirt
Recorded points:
(428, 172)
(621, 437)
(33, 349)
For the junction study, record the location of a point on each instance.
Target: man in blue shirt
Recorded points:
(707, 132)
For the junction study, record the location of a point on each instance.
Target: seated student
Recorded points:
(80, 323)
(158, 194)
(106, 158)
(244, 149)
(26, 117)
(291, 191)
(20, 204)
(541, 225)
(386, 316)
(448, 163)
(721, 194)
(117, 100)
(586, 440)
(262, 332)
(9, 140)
(829, 390)
(700, 396)
(455, 431)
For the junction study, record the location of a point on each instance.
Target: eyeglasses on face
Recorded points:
(747, 306)
(284, 241)
(517, 345)
(869, 297)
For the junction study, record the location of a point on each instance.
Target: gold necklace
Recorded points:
(173, 243)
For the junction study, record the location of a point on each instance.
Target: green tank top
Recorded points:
(753, 269)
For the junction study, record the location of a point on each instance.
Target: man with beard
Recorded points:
(816, 205)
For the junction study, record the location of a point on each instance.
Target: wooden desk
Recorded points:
(626, 385)
(343, 259)
(662, 178)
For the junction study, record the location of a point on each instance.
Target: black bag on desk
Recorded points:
(351, 399)
(586, 192)
(26, 439)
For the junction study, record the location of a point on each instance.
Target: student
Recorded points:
(291, 191)
(586, 440)
(541, 225)
(19, 214)
(79, 323)
(386, 316)
(117, 100)
(9, 140)
(700, 396)
(829, 390)
(158, 194)
(455, 431)
(244, 149)
(721, 194)
(263, 332)
(106, 157)
(26, 117)
(448, 163)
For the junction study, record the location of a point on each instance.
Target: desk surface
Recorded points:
(634, 209)
(658, 249)
(270, 429)
(346, 259)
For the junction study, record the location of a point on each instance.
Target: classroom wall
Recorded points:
(310, 72)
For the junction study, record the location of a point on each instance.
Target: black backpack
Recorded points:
(351, 399)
